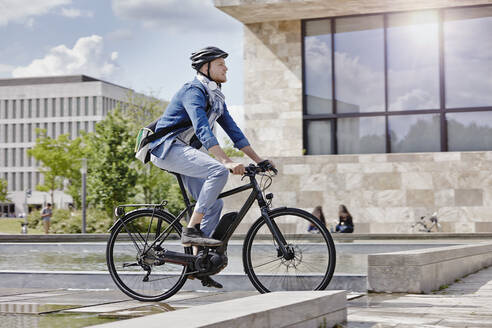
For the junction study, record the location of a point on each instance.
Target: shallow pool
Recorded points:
(351, 258)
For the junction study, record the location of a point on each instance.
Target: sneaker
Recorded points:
(194, 237)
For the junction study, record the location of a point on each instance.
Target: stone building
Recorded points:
(384, 106)
(59, 104)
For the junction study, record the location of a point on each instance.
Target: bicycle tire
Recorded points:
(121, 249)
(260, 250)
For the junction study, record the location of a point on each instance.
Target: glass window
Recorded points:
(415, 133)
(29, 108)
(317, 67)
(6, 134)
(86, 106)
(78, 107)
(361, 135)
(6, 158)
(413, 66)
(21, 109)
(14, 109)
(94, 105)
(14, 130)
(53, 107)
(21, 157)
(62, 107)
(468, 57)
(469, 131)
(359, 64)
(319, 137)
(38, 110)
(29, 180)
(14, 176)
(46, 107)
(29, 132)
(70, 129)
(21, 132)
(70, 107)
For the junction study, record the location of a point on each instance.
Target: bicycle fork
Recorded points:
(277, 235)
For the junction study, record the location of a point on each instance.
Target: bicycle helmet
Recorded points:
(206, 55)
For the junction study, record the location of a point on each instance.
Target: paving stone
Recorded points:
(464, 304)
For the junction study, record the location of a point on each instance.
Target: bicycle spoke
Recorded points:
(311, 266)
(132, 253)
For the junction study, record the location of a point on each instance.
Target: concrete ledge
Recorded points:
(348, 237)
(421, 271)
(279, 309)
(102, 280)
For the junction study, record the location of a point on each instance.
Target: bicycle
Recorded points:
(421, 226)
(147, 262)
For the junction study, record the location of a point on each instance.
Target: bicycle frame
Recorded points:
(255, 194)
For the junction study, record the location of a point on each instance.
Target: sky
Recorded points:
(140, 44)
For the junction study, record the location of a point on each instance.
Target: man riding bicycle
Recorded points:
(183, 151)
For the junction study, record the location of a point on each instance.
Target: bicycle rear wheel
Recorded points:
(313, 262)
(134, 263)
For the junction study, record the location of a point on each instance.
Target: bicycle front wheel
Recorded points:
(312, 264)
(133, 255)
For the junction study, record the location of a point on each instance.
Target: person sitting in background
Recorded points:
(318, 213)
(345, 223)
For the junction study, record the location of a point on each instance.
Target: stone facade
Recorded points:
(385, 192)
(256, 11)
(273, 91)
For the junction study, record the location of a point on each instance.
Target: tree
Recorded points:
(3, 191)
(60, 160)
(111, 173)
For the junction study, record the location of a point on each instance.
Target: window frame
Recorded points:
(334, 116)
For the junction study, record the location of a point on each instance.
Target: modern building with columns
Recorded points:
(384, 106)
(59, 104)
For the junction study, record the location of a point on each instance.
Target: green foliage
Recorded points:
(60, 160)
(3, 191)
(111, 176)
(230, 150)
(155, 185)
(142, 110)
(64, 221)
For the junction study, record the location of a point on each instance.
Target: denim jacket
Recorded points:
(190, 103)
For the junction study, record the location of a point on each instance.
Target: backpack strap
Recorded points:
(162, 132)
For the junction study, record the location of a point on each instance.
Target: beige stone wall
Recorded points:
(273, 87)
(385, 192)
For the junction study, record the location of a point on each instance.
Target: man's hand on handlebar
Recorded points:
(235, 168)
(268, 165)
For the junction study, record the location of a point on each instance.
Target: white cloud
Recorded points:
(74, 13)
(22, 11)
(174, 15)
(86, 57)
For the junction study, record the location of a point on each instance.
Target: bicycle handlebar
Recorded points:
(264, 166)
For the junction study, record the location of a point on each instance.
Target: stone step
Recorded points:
(279, 309)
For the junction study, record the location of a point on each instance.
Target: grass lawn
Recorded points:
(13, 226)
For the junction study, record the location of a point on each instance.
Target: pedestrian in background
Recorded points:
(345, 222)
(46, 214)
(318, 213)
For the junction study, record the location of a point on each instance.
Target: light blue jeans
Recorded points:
(203, 176)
